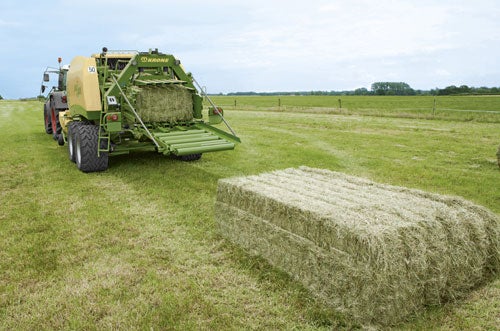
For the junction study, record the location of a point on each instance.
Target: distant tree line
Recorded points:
(464, 89)
(387, 88)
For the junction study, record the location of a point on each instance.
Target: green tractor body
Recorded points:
(116, 102)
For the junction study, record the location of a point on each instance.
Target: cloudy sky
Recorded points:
(263, 45)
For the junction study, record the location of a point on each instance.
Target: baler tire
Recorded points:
(86, 138)
(190, 157)
(46, 120)
(60, 139)
(71, 140)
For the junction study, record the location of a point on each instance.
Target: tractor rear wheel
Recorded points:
(86, 149)
(54, 118)
(46, 119)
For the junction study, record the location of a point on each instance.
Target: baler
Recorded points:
(115, 102)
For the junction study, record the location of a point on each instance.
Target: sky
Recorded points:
(263, 45)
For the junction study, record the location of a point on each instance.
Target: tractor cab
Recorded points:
(61, 73)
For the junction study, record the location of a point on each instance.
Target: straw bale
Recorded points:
(374, 251)
(169, 103)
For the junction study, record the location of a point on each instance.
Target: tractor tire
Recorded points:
(54, 117)
(71, 140)
(86, 140)
(190, 157)
(46, 119)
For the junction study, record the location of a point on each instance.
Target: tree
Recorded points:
(361, 91)
(1, 97)
(464, 89)
(380, 88)
(392, 88)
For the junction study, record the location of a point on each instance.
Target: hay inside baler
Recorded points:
(170, 103)
(374, 251)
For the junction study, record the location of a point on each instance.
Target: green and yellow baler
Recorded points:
(122, 101)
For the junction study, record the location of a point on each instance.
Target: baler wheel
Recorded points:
(86, 140)
(190, 157)
(60, 139)
(71, 140)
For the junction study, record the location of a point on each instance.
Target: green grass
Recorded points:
(135, 247)
(479, 108)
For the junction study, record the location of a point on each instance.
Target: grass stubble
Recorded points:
(136, 246)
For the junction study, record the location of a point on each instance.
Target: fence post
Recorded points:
(434, 107)
(340, 103)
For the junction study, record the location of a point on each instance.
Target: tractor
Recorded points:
(56, 101)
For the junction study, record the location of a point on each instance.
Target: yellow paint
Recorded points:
(115, 55)
(83, 85)
(64, 119)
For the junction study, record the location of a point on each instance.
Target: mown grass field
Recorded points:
(135, 247)
(463, 108)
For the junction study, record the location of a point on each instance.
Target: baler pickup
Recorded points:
(195, 141)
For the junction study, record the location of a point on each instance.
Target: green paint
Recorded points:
(151, 93)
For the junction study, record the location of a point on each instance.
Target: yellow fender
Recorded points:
(64, 119)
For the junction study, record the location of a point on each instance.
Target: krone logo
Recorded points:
(154, 60)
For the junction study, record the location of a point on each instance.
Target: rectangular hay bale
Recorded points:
(373, 251)
(168, 103)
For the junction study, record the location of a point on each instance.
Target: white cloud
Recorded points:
(272, 45)
(339, 32)
(442, 72)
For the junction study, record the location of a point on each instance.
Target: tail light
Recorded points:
(112, 117)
